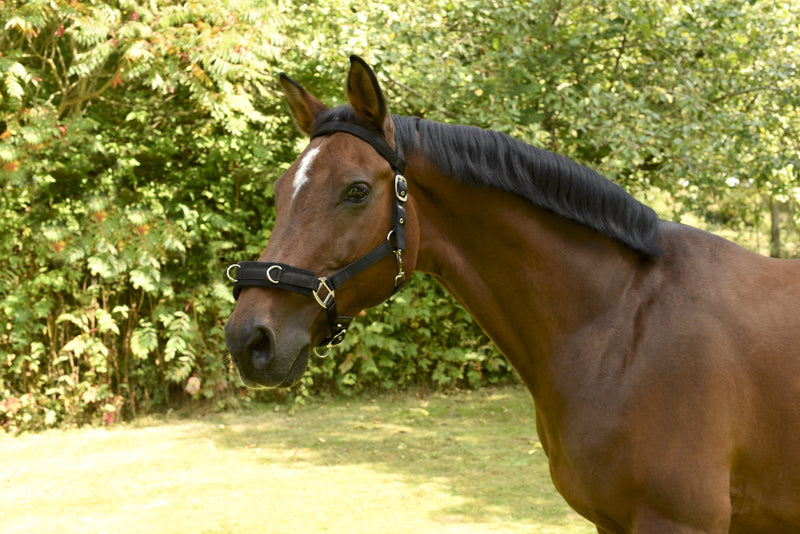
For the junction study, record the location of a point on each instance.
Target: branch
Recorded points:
(742, 92)
(622, 44)
(80, 99)
(556, 13)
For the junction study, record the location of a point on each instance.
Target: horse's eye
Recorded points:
(357, 193)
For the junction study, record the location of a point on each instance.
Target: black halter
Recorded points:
(322, 288)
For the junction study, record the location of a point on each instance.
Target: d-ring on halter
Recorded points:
(323, 288)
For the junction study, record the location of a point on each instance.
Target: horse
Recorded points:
(663, 361)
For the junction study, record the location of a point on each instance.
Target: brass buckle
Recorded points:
(328, 300)
(400, 193)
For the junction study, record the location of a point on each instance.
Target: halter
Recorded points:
(323, 288)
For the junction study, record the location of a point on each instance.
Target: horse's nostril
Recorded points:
(261, 350)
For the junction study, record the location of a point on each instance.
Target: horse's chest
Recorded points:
(582, 497)
(589, 465)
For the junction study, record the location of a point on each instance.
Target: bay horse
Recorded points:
(663, 361)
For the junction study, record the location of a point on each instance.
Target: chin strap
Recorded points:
(322, 288)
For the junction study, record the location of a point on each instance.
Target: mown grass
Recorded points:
(405, 463)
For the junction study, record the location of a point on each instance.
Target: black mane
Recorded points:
(480, 157)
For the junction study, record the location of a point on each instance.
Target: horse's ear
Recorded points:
(366, 97)
(305, 107)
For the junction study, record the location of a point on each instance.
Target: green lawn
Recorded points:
(404, 463)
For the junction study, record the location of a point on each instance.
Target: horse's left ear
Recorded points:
(303, 105)
(366, 97)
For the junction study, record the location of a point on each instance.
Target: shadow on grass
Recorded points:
(480, 447)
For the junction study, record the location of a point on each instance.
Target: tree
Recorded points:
(695, 99)
(118, 119)
(139, 142)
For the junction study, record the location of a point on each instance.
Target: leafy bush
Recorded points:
(139, 145)
(139, 142)
(118, 124)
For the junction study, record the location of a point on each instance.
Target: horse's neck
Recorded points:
(530, 278)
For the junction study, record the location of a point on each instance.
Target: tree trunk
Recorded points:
(775, 228)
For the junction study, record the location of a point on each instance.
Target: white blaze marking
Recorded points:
(302, 173)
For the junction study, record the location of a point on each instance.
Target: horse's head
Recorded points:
(343, 196)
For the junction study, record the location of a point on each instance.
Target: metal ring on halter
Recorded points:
(228, 272)
(401, 274)
(269, 273)
(328, 349)
(335, 341)
(323, 282)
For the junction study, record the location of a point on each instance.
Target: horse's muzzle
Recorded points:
(260, 360)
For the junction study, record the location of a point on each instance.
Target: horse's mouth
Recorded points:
(275, 374)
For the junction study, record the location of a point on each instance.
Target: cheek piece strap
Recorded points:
(323, 288)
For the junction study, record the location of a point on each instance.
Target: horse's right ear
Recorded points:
(305, 107)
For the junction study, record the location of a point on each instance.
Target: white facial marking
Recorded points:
(301, 177)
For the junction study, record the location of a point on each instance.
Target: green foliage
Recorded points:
(419, 337)
(139, 142)
(118, 121)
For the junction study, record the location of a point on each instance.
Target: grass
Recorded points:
(404, 463)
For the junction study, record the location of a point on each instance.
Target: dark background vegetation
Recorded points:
(139, 141)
